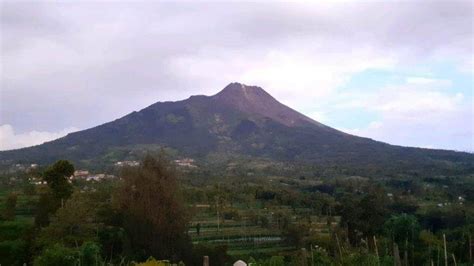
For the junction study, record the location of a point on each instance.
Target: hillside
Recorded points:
(240, 121)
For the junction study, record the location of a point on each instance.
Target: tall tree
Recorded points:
(401, 228)
(58, 191)
(57, 177)
(10, 206)
(153, 212)
(364, 216)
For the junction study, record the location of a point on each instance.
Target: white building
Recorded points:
(185, 162)
(127, 163)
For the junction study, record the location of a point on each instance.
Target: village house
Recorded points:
(127, 163)
(185, 162)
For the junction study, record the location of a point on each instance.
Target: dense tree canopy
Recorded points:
(153, 213)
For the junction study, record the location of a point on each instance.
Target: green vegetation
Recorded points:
(156, 214)
(151, 211)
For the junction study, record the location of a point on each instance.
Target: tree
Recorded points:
(401, 228)
(10, 206)
(154, 215)
(90, 254)
(58, 191)
(295, 234)
(363, 217)
(57, 177)
(374, 212)
(45, 207)
(73, 224)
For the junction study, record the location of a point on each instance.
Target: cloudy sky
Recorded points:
(399, 72)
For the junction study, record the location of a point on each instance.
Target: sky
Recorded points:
(396, 71)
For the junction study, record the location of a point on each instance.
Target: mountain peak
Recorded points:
(256, 101)
(241, 91)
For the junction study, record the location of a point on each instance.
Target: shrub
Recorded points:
(55, 256)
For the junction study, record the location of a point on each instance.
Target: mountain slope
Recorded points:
(238, 121)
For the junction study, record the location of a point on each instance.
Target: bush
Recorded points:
(90, 254)
(13, 252)
(12, 230)
(56, 255)
(275, 261)
(360, 259)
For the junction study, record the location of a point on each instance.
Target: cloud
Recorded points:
(412, 114)
(428, 81)
(9, 139)
(86, 63)
(291, 75)
(443, 130)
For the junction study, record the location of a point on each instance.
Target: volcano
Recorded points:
(239, 121)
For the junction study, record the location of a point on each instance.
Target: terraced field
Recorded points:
(247, 234)
(25, 204)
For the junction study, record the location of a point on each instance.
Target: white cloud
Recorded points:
(410, 97)
(298, 76)
(444, 131)
(406, 101)
(414, 115)
(9, 139)
(428, 81)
